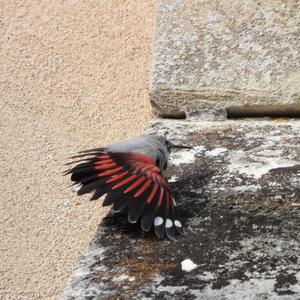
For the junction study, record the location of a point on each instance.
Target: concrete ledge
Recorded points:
(211, 54)
(239, 194)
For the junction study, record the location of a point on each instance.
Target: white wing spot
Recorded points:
(188, 265)
(169, 223)
(177, 223)
(158, 221)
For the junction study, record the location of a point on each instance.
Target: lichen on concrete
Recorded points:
(211, 54)
(242, 226)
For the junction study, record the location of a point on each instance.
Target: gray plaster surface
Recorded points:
(211, 54)
(238, 191)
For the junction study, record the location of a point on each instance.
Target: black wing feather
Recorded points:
(128, 179)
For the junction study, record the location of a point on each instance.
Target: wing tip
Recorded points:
(159, 226)
(167, 227)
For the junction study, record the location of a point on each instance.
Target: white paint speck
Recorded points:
(216, 152)
(173, 178)
(187, 265)
(251, 188)
(172, 289)
(206, 276)
(186, 156)
(257, 163)
(123, 277)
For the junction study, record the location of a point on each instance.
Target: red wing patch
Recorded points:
(131, 181)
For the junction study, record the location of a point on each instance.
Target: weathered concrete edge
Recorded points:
(87, 283)
(173, 101)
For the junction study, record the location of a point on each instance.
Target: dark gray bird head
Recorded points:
(164, 148)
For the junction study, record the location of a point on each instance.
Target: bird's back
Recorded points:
(149, 145)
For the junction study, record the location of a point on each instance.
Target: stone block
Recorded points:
(240, 55)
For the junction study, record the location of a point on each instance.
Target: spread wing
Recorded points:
(131, 181)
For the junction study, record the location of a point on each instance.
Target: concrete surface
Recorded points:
(74, 75)
(229, 54)
(238, 191)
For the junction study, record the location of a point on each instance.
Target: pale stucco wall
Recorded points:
(74, 74)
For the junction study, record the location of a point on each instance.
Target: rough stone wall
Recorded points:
(212, 54)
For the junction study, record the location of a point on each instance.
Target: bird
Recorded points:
(132, 174)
